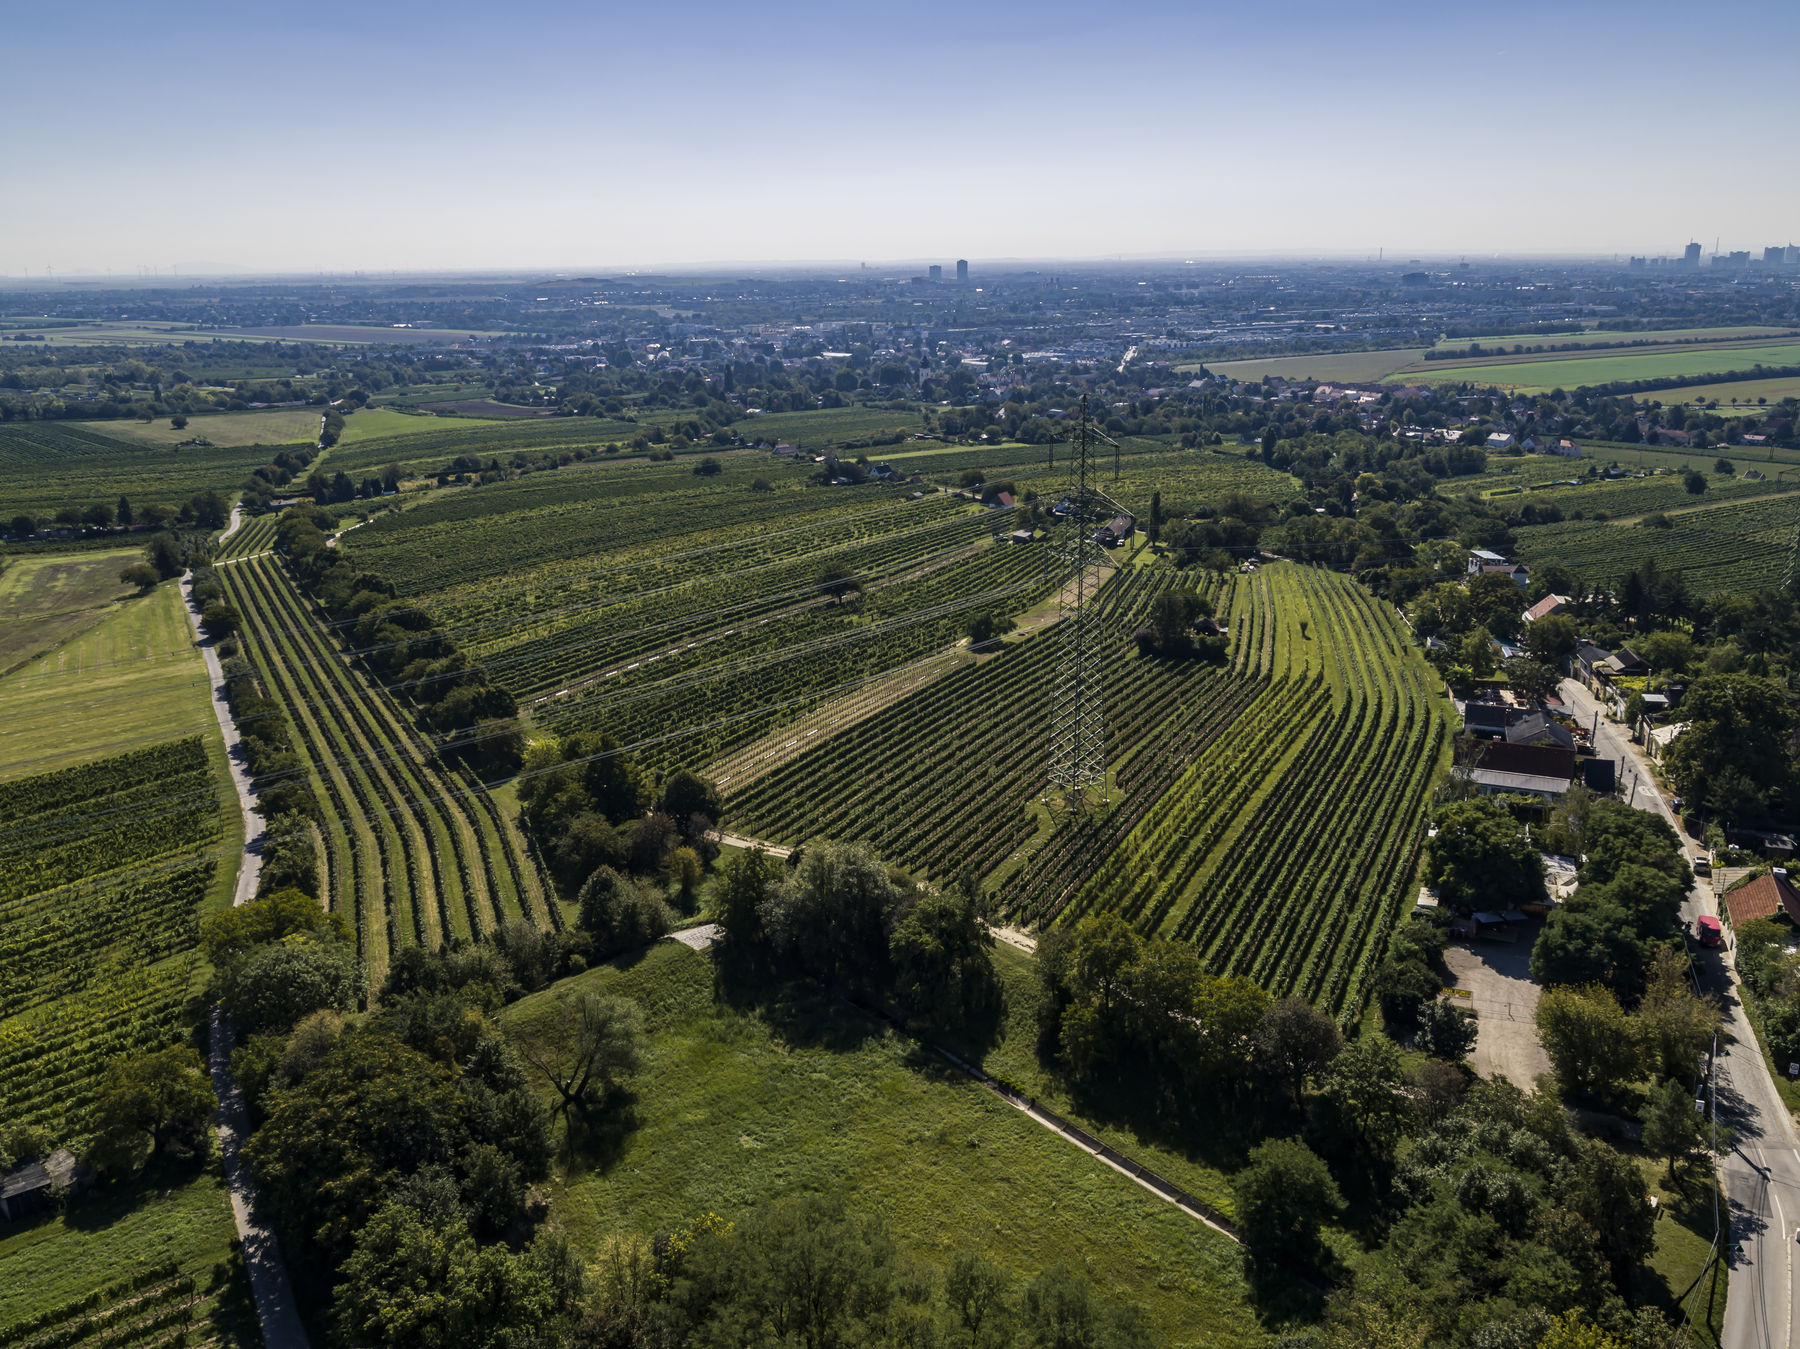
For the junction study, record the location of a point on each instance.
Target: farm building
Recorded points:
(1768, 896)
(30, 1187)
(1516, 572)
(1480, 558)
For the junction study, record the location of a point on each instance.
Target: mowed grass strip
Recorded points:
(48, 599)
(134, 678)
(736, 1108)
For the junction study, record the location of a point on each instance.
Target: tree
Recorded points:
(1283, 1195)
(1676, 1024)
(583, 1045)
(687, 794)
(708, 468)
(1058, 1311)
(749, 880)
(1695, 482)
(587, 843)
(219, 620)
(1606, 1189)
(1552, 639)
(142, 575)
(838, 582)
(211, 510)
(1671, 651)
(1478, 653)
(1591, 1042)
(1734, 752)
(1361, 1093)
(939, 951)
(761, 485)
(1154, 528)
(282, 982)
(985, 628)
(1444, 1031)
(1296, 1042)
(622, 914)
(1531, 680)
(23, 526)
(1481, 859)
(1673, 1128)
(830, 915)
(163, 553)
(178, 422)
(419, 1280)
(686, 872)
(147, 1104)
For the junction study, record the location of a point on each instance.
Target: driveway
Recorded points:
(1497, 978)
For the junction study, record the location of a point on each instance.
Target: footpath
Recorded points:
(276, 1309)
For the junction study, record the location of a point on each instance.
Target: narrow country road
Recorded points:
(276, 1309)
(1761, 1175)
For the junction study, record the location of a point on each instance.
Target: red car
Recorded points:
(1707, 930)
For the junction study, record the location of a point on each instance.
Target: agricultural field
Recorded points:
(277, 426)
(1188, 845)
(733, 1109)
(45, 601)
(130, 679)
(1742, 394)
(415, 852)
(1572, 370)
(1740, 545)
(135, 1267)
(1633, 496)
(1357, 367)
(108, 867)
(423, 444)
(45, 466)
(1601, 336)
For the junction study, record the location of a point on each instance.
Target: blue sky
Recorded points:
(552, 135)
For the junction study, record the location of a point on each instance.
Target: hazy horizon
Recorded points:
(451, 139)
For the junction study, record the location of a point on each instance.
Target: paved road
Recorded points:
(275, 1305)
(1761, 1176)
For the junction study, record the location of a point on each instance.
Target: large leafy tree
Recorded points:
(1735, 752)
(1283, 1196)
(1481, 859)
(149, 1105)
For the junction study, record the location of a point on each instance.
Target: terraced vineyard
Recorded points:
(159, 1305)
(415, 852)
(105, 869)
(1740, 546)
(1282, 849)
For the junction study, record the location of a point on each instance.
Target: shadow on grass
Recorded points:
(594, 1135)
(797, 1011)
(109, 1202)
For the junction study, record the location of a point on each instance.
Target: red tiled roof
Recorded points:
(1762, 898)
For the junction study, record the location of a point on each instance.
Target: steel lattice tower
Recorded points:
(1078, 700)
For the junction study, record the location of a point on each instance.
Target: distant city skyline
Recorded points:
(455, 137)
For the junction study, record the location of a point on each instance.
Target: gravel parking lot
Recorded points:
(1497, 978)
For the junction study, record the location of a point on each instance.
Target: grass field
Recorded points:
(736, 1108)
(1574, 370)
(1600, 336)
(1745, 391)
(131, 679)
(1355, 366)
(49, 599)
(277, 426)
(184, 1220)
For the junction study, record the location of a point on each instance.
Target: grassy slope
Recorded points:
(734, 1109)
(132, 679)
(48, 599)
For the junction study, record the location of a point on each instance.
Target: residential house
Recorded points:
(1499, 440)
(1657, 742)
(1528, 770)
(1538, 728)
(1768, 896)
(1550, 604)
(1590, 665)
(1516, 572)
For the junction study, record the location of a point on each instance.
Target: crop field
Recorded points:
(1740, 545)
(422, 443)
(276, 426)
(130, 679)
(107, 869)
(415, 852)
(1574, 369)
(45, 466)
(1639, 496)
(135, 1266)
(733, 1110)
(1232, 791)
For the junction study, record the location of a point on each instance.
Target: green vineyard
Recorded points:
(107, 868)
(414, 851)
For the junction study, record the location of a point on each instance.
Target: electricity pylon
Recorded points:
(1078, 698)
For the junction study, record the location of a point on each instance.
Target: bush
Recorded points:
(620, 913)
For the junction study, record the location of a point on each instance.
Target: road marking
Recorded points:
(1787, 1327)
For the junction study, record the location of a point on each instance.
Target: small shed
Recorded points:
(29, 1188)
